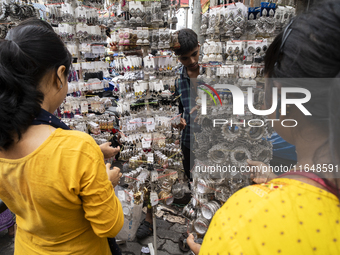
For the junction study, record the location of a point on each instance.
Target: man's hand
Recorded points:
(195, 247)
(196, 108)
(108, 151)
(114, 174)
(260, 172)
(181, 125)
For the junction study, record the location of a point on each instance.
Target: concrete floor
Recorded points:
(167, 241)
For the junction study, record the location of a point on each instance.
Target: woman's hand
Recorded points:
(114, 174)
(260, 172)
(195, 247)
(108, 151)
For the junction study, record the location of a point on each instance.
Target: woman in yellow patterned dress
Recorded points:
(298, 212)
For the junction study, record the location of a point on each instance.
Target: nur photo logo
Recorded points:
(239, 103)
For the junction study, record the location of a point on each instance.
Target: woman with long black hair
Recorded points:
(53, 179)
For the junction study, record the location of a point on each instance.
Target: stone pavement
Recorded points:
(167, 240)
(6, 244)
(168, 235)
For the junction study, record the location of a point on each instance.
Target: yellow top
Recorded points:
(283, 216)
(62, 198)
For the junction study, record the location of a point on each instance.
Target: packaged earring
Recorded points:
(229, 24)
(132, 12)
(239, 22)
(161, 39)
(148, 15)
(146, 37)
(126, 37)
(155, 38)
(204, 23)
(167, 39)
(175, 43)
(139, 14)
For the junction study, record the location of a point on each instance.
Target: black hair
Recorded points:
(29, 52)
(187, 38)
(35, 22)
(311, 50)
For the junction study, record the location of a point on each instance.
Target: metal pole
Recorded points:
(186, 17)
(196, 19)
(154, 229)
(153, 212)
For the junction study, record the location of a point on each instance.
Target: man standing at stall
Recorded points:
(186, 91)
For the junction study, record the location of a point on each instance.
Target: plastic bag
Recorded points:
(131, 224)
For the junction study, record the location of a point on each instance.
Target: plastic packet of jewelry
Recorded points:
(143, 176)
(94, 127)
(146, 143)
(204, 23)
(154, 198)
(81, 127)
(132, 10)
(176, 120)
(225, 71)
(161, 39)
(120, 193)
(80, 14)
(247, 71)
(156, 12)
(139, 13)
(234, 48)
(67, 12)
(212, 21)
(213, 48)
(150, 124)
(167, 39)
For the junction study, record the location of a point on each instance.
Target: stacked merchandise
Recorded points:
(120, 92)
(11, 13)
(232, 131)
(127, 89)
